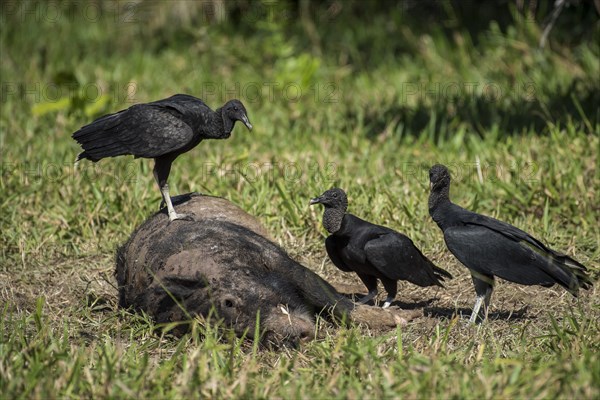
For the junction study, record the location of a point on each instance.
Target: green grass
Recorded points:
(366, 121)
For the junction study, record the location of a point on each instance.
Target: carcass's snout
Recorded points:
(289, 328)
(305, 331)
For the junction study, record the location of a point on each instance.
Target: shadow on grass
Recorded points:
(447, 313)
(512, 113)
(402, 305)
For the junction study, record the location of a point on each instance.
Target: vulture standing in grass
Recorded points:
(373, 251)
(162, 130)
(489, 248)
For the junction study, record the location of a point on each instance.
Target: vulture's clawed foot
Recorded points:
(180, 217)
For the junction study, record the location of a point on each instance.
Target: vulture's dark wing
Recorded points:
(180, 102)
(554, 258)
(489, 252)
(396, 257)
(142, 130)
(334, 246)
(501, 227)
(189, 109)
(155, 131)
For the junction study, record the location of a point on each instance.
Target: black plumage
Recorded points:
(489, 248)
(162, 130)
(373, 251)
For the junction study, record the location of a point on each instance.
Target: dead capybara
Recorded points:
(222, 262)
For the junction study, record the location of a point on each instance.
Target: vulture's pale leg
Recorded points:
(162, 168)
(388, 302)
(391, 286)
(476, 308)
(484, 285)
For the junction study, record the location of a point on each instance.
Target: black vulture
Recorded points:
(162, 130)
(373, 251)
(489, 248)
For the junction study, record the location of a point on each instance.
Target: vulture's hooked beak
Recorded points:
(316, 200)
(246, 122)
